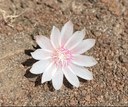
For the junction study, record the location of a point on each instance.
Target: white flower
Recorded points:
(60, 56)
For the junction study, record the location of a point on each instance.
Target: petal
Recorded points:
(71, 77)
(84, 46)
(83, 60)
(76, 38)
(55, 37)
(39, 67)
(48, 73)
(41, 54)
(57, 79)
(44, 42)
(81, 72)
(66, 32)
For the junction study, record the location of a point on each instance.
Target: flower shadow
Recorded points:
(33, 78)
(82, 80)
(50, 86)
(28, 63)
(67, 84)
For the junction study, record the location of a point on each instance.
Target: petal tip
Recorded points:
(83, 30)
(42, 81)
(91, 77)
(93, 41)
(54, 27)
(36, 37)
(77, 85)
(95, 62)
(31, 71)
(31, 53)
(70, 22)
(57, 88)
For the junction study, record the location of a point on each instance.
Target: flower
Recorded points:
(61, 56)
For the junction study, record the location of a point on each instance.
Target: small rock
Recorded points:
(113, 6)
(77, 7)
(88, 98)
(123, 59)
(73, 102)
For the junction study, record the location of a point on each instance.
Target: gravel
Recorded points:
(104, 20)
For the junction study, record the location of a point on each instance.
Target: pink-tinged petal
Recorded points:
(83, 46)
(57, 79)
(55, 37)
(41, 54)
(44, 42)
(76, 38)
(71, 77)
(83, 60)
(81, 72)
(66, 32)
(48, 73)
(39, 67)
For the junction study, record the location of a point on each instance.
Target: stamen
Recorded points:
(62, 57)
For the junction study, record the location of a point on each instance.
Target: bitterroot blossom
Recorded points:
(61, 56)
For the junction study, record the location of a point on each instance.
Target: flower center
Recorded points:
(62, 57)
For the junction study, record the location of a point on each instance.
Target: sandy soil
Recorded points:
(104, 20)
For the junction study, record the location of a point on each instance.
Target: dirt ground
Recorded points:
(104, 20)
